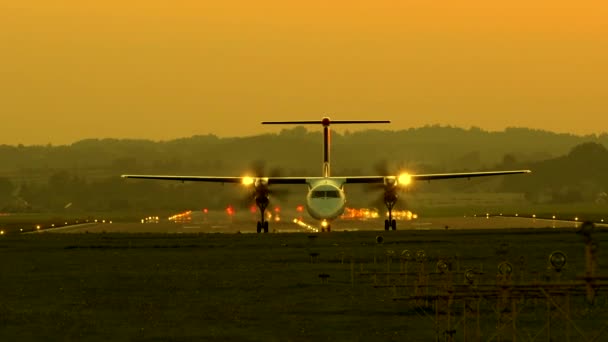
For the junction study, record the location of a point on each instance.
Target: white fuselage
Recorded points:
(325, 199)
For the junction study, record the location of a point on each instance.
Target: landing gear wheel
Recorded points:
(386, 225)
(259, 227)
(328, 228)
(394, 224)
(265, 226)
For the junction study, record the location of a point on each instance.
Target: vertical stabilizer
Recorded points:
(326, 143)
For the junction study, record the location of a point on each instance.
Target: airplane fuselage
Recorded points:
(325, 199)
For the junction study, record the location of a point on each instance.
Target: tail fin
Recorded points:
(326, 133)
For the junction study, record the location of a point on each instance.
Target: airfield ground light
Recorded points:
(352, 271)
(324, 277)
(521, 264)
(471, 317)
(557, 263)
(420, 256)
(444, 300)
(405, 258)
(587, 229)
(442, 266)
(506, 303)
(406, 255)
(470, 276)
(505, 269)
(314, 257)
(422, 281)
(389, 258)
(591, 249)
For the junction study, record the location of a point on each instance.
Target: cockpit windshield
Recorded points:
(325, 194)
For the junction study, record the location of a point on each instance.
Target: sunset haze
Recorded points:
(71, 70)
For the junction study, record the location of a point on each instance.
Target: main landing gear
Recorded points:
(262, 203)
(263, 226)
(388, 224)
(391, 223)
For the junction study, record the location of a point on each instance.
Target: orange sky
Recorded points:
(154, 69)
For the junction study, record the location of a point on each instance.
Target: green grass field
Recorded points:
(246, 287)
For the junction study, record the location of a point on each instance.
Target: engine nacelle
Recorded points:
(390, 189)
(260, 183)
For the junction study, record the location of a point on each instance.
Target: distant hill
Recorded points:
(580, 175)
(295, 150)
(566, 167)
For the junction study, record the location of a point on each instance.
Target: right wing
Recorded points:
(432, 176)
(429, 177)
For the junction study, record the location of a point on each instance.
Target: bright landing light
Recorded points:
(247, 180)
(405, 179)
(324, 224)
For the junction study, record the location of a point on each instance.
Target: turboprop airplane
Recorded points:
(325, 200)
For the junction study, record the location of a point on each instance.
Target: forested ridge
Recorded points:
(85, 174)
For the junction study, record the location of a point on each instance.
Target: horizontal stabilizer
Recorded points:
(324, 122)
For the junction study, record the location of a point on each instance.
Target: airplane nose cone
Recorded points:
(326, 208)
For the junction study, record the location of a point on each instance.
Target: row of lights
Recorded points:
(40, 227)
(533, 216)
(152, 219)
(304, 225)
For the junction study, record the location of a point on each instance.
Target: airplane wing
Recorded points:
(304, 180)
(434, 176)
(212, 179)
(188, 178)
(429, 177)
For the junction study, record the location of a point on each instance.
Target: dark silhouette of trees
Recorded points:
(86, 173)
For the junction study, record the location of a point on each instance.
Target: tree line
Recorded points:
(85, 175)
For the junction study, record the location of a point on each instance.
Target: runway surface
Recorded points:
(497, 222)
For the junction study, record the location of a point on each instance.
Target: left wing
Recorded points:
(241, 180)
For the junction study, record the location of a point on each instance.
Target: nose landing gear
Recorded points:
(325, 226)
